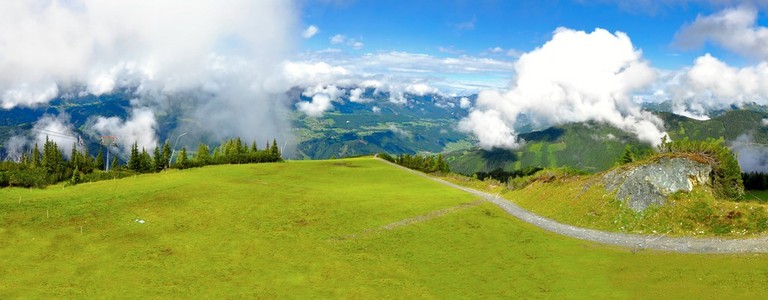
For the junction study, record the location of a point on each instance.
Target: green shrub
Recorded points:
(726, 173)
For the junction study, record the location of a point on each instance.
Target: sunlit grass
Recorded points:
(313, 230)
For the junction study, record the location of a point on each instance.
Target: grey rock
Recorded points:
(652, 183)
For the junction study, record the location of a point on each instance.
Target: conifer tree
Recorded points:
(157, 160)
(145, 161)
(181, 160)
(36, 160)
(203, 156)
(167, 154)
(274, 151)
(100, 159)
(134, 160)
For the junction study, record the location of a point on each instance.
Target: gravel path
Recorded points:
(635, 241)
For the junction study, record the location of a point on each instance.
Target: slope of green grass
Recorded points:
(319, 229)
(583, 201)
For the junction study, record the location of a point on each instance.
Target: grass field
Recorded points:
(355, 228)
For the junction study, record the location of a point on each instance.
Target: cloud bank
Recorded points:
(164, 50)
(734, 29)
(575, 77)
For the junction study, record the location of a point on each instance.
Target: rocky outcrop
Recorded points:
(649, 184)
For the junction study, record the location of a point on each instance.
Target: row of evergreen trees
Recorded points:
(38, 168)
(423, 163)
(755, 180)
(232, 151)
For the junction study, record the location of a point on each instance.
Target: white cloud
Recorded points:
(399, 131)
(310, 31)
(752, 157)
(711, 83)
(320, 103)
(575, 77)
(56, 129)
(465, 103)
(310, 74)
(356, 95)
(420, 89)
(734, 28)
(376, 110)
(338, 39)
(177, 47)
(140, 129)
(26, 95)
(357, 45)
(334, 93)
(322, 98)
(395, 71)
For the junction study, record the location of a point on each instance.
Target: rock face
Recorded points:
(642, 186)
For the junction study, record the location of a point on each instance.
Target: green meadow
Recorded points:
(353, 228)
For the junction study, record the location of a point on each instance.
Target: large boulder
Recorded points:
(651, 184)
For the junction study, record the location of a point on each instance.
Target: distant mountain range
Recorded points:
(415, 123)
(595, 147)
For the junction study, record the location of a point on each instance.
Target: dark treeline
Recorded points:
(232, 151)
(38, 168)
(423, 163)
(504, 176)
(755, 180)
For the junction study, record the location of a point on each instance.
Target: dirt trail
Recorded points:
(634, 241)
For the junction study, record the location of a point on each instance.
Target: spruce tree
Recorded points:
(100, 159)
(36, 159)
(203, 156)
(145, 161)
(157, 160)
(134, 160)
(167, 154)
(274, 151)
(181, 160)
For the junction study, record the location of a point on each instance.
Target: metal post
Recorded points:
(108, 159)
(174, 149)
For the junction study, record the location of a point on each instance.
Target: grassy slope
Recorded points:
(583, 201)
(273, 230)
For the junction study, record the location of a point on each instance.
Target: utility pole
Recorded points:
(108, 141)
(174, 148)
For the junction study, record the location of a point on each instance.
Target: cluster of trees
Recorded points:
(503, 176)
(755, 180)
(38, 168)
(726, 173)
(423, 163)
(232, 151)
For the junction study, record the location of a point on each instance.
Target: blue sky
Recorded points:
(554, 61)
(463, 27)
